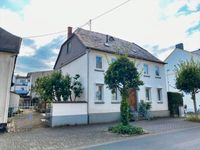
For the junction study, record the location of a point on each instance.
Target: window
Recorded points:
(148, 94)
(115, 95)
(159, 92)
(146, 69)
(68, 46)
(98, 62)
(157, 71)
(99, 92)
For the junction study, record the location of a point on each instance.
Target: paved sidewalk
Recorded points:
(77, 136)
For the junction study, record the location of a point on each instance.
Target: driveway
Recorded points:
(70, 137)
(186, 139)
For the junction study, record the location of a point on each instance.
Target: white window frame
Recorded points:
(102, 94)
(101, 62)
(157, 67)
(161, 98)
(115, 96)
(147, 69)
(149, 89)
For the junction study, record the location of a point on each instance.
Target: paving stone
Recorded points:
(71, 137)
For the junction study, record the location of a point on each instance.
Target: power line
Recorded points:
(83, 25)
(110, 10)
(47, 34)
(103, 14)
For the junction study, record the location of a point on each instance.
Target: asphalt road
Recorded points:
(186, 139)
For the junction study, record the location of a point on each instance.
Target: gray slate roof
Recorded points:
(97, 41)
(9, 42)
(197, 52)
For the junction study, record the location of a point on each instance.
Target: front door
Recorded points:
(132, 99)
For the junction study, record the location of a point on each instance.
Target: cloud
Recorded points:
(14, 5)
(160, 24)
(42, 58)
(26, 51)
(194, 28)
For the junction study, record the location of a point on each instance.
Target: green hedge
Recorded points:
(174, 101)
(126, 129)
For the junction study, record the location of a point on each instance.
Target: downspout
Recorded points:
(88, 117)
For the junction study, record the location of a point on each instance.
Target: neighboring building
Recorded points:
(32, 77)
(89, 54)
(9, 49)
(21, 88)
(178, 55)
(20, 85)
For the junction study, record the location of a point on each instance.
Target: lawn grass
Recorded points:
(193, 117)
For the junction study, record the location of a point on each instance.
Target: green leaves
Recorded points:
(57, 87)
(188, 76)
(123, 75)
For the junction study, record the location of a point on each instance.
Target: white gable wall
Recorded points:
(7, 61)
(78, 66)
(173, 60)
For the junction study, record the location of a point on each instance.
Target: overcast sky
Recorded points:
(156, 25)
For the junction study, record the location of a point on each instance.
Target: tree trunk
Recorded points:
(45, 106)
(194, 102)
(124, 109)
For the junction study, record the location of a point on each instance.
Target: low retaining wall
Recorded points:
(68, 114)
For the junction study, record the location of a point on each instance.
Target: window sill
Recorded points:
(99, 102)
(157, 77)
(99, 70)
(159, 102)
(149, 101)
(147, 76)
(115, 102)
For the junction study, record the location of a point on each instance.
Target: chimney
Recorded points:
(180, 46)
(69, 32)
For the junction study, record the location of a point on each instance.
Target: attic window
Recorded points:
(111, 39)
(106, 43)
(68, 47)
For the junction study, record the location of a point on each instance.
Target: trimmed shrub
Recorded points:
(143, 108)
(174, 101)
(126, 129)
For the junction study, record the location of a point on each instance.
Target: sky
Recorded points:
(156, 25)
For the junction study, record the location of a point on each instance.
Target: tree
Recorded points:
(188, 79)
(44, 89)
(123, 75)
(57, 87)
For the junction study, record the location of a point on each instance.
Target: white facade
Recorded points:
(93, 76)
(173, 60)
(14, 101)
(7, 61)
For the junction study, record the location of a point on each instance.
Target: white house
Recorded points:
(178, 55)
(9, 48)
(20, 85)
(89, 54)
